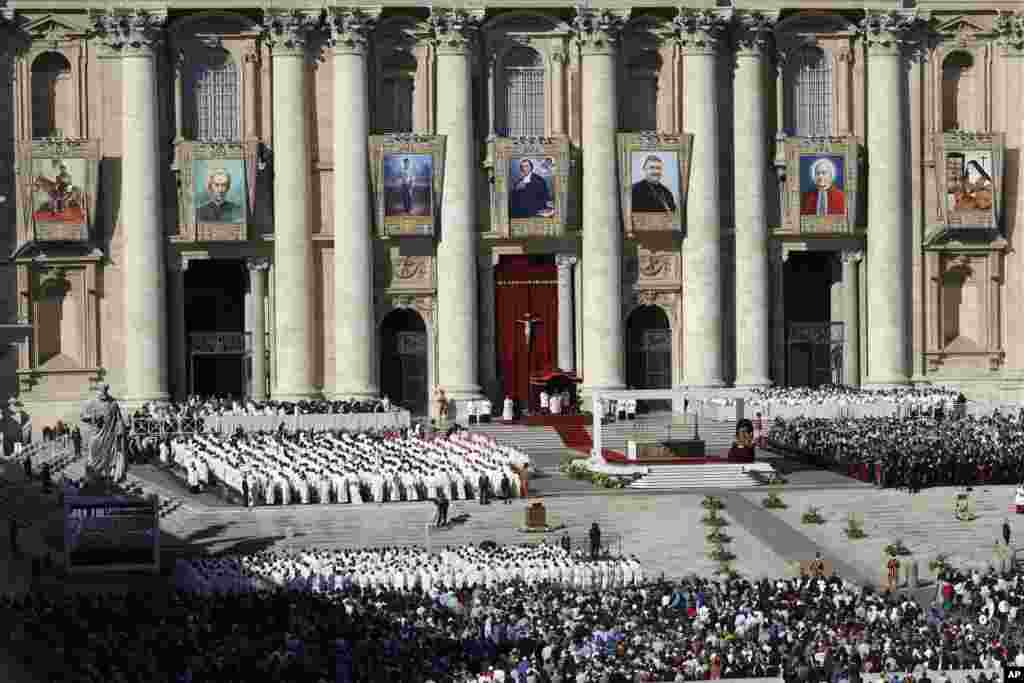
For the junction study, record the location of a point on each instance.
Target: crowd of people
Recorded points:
(366, 622)
(340, 467)
(198, 407)
(924, 399)
(912, 452)
(406, 569)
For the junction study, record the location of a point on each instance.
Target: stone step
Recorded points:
(728, 475)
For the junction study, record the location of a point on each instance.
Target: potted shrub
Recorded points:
(812, 515)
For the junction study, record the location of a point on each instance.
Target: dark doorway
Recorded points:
(403, 360)
(814, 342)
(215, 327)
(649, 353)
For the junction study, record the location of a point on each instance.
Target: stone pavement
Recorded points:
(924, 522)
(664, 532)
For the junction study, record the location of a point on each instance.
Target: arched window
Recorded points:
(51, 94)
(809, 93)
(955, 89)
(212, 98)
(640, 107)
(395, 93)
(523, 91)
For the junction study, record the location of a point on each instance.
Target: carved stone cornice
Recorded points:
(701, 31)
(455, 31)
(350, 27)
(1009, 31)
(753, 32)
(597, 31)
(288, 32)
(892, 33)
(132, 32)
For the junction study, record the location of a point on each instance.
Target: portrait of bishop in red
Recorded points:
(826, 196)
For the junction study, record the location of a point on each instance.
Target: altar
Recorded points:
(647, 452)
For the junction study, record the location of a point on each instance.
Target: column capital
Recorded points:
(565, 262)
(852, 256)
(597, 31)
(349, 28)
(258, 263)
(132, 32)
(454, 31)
(288, 32)
(890, 33)
(701, 32)
(1009, 31)
(752, 32)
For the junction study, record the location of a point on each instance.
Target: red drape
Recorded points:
(524, 286)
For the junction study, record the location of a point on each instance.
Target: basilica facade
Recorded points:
(305, 201)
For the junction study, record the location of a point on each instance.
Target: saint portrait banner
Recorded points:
(822, 181)
(531, 186)
(654, 173)
(408, 178)
(58, 181)
(970, 180)
(216, 190)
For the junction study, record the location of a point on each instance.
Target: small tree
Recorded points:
(712, 519)
(712, 503)
(854, 527)
(812, 515)
(897, 549)
(774, 502)
(940, 564)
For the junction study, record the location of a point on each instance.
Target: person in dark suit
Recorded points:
(219, 209)
(649, 194)
(529, 196)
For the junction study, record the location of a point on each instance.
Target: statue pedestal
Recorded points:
(536, 515)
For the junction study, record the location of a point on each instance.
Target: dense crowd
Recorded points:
(198, 407)
(808, 629)
(341, 467)
(912, 452)
(922, 399)
(407, 569)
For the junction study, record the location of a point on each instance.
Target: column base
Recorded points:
(876, 383)
(294, 397)
(134, 402)
(361, 393)
(753, 382)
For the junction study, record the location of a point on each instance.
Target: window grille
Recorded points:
(524, 94)
(215, 95)
(812, 94)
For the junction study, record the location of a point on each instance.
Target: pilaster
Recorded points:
(851, 311)
(566, 338)
(258, 268)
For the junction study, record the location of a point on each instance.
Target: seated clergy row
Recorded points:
(340, 467)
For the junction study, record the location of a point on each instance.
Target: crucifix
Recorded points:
(528, 321)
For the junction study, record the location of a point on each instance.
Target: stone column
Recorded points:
(179, 342)
(566, 319)
(753, 277)
(258, 268)
(287, 34)
(851, 311)
(488, 350)
(699, 33)
(458, 326)
(137, 35)
(597, 34)
(889, 196)
(354, 329)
